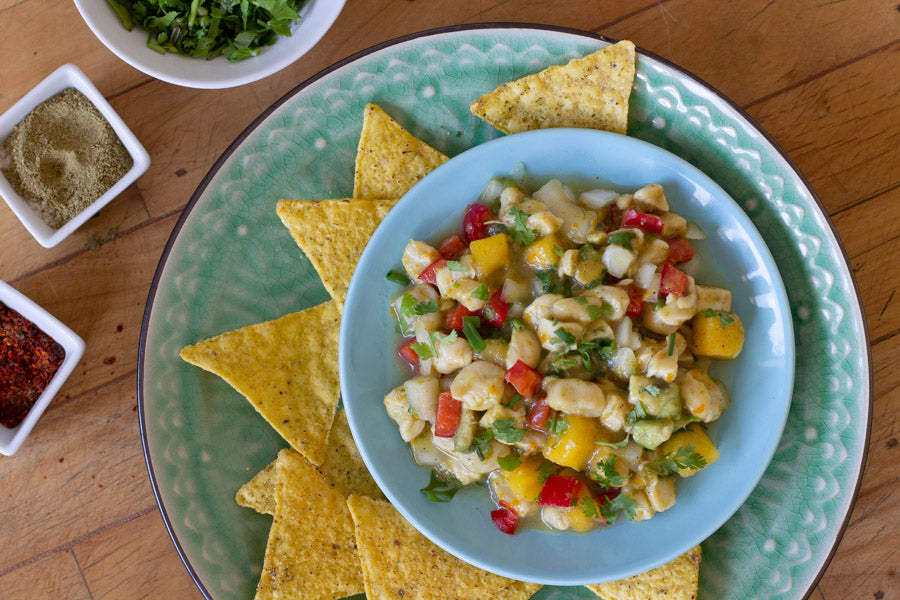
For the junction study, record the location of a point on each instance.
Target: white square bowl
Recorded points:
(68, 76)
(11, 439)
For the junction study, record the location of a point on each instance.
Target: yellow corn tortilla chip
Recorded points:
(389, 160)
(343, 464)
(311, 551)
(676, 580)
(288, 370)
(398, 562)
(259, 492)
(591, 91)
(333, 234)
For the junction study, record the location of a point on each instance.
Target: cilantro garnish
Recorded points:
(514, 400)
(652, 389)
(560, 365)
(725, 318)
(621, 503)
(516, 323)
(553, 286)
(589, 508)
(671, 349)
(470, 330)
(545, 471)
(685, 457)
(481, 445)
(409, 306)
(505, 430)
(425, 351)
(422, 350)
(606, 474)
(558, 251)
(233, 29)
(509, 462)
(455, 265)
(481, 292)
(520, 232)
(600, 348)
(557, 423)
(397, 277)
(623, 238)
(563, 337)
(621, 444)
(637, 413)
(439, 490)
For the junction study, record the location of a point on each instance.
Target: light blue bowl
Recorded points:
(760, 380)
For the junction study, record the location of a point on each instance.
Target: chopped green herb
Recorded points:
(481, 292)
(397, 277)
(589, 508)
(660, 302)
(505, 430)
(582, 300)
(439, 490)
(545, 471)
(470, 330)
(599, 348)
(557, 250)
(520, 232)
(557, 423)
(604, 310)
(422, 350)
(413, 412)
(516, 324)
(425, 351)
(551, 285)
(621, 503)
(455, 265)
(637, 413)
(623, 238)
(606, 474)
(563, 337)
(621, 444)
(671, 349)
(481, 445)
(409, 306)
(652, 389)
(725, 318)
(509, 462)
(559, 366)
(514, 400)
(685, 457)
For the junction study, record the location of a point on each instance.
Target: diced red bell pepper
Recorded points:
(454, 318)
(526, 380)
(680, 250)
(429, 274)
(649, 223)
(407, 353)
(539, 414)
(446, 421)
(505, 520)
(452, 248)
(495, 309)
(475, 222)
(672, 281)
(560, 491)
(635, 301)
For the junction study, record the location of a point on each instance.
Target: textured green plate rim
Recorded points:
(785, 558)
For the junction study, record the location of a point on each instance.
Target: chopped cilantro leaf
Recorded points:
(606, 474)
(652, 389)
(481, 445)
(520, 232)
(623, 238)
(516, 324)
(557, 251)
(637, 413)
(685, 457)
(621, 444)
(589, 508)
(671, 349)
(621, 503)
(598, 348)
(439, 490)
(557, 423)
(505, 430)
(545, 471)
(563, 337)
(397, 277)
(409, 306)
(470, 330)
(455, 265)
(509, 462)
(422, 350)
(514, 400)
(481, 292)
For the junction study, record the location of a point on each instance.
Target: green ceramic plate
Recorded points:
(230, 263)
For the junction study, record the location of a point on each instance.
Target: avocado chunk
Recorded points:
(662, 400)
(650, 433)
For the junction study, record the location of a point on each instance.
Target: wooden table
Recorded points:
(77, 515)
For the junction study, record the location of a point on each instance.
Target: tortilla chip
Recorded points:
(676, 580)
(311, 552)
(590, 92)
(259, 492)
(333, 234)
(286, 368)
(389, 160)
(343, 465)
(400, 563)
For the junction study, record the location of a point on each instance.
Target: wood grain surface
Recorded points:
(77, 514)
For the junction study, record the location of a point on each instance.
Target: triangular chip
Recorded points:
(311, 551)
(676, 580)
(259, 492)
(343, 464)
(590, 92)
(286, 368)
(399, 562)
(390, 160)
(333, 234)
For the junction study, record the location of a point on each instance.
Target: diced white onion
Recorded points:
(518, 172)
(644, 275)
(617, 260)
(492, 190)
(694, 232)
(598, 198)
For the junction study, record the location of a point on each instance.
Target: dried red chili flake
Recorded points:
(28, 360)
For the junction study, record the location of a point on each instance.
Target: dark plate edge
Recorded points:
(151, 295)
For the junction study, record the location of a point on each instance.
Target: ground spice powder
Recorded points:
(64, 155)
(28, 360)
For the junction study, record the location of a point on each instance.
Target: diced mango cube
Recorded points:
(717, 334)
(526, 481)
(490, 254)
(694, 436)
(544, 253)
(575, 445)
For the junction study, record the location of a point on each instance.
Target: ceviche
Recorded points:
(560, 351)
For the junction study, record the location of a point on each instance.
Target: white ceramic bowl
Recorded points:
(317, 16)
(68, 76)
(11, 439)
(760, 380)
